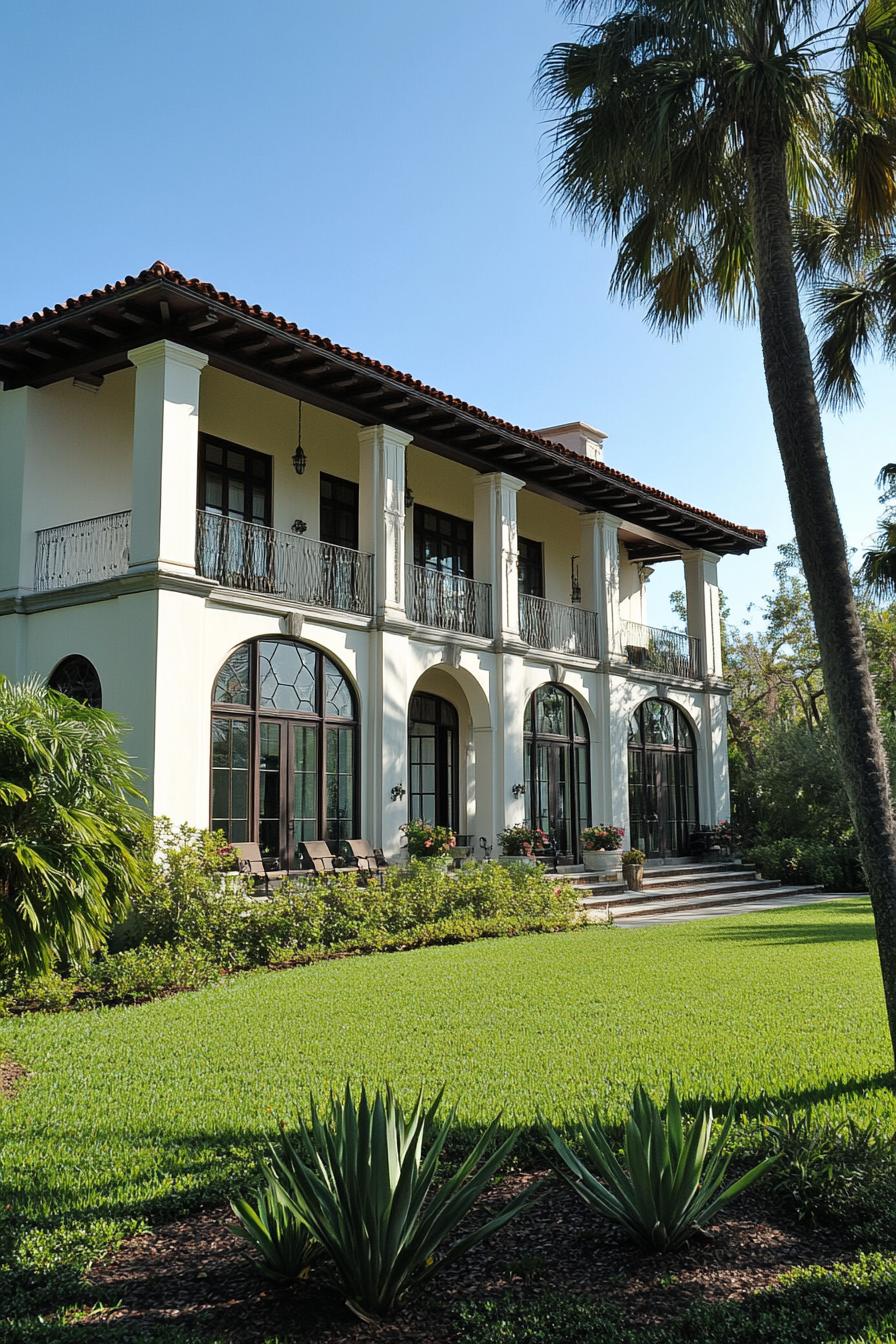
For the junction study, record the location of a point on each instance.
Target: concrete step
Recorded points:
(622, 907)
(655, 882)
(754, 885)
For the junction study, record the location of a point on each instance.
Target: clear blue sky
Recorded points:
(373, 171)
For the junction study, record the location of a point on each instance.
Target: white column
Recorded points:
(704, 619)
(715, 798)
(386, 739)
(599, 576)
(381, 488)
(496, 549)
(165, 457)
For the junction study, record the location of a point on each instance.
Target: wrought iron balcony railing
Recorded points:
(448, 601)
(88, 551)
(550, 625)
(260, 559)
(669, 651)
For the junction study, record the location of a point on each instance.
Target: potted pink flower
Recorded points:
(430, 843)
(601, 844)
(521, 845)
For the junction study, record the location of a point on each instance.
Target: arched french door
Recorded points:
(558, 774)
(433, 760)
(285, 764)
(662, 779)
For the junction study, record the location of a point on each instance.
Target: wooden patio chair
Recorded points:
(319, 857)
(252, 864)
(364, 857)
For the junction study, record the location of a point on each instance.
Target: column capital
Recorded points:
(375, 434)
(167, 351)
(697, 555)
(499, 480)
(601, 519)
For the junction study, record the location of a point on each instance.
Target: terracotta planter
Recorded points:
(601, 860)
(634, 876)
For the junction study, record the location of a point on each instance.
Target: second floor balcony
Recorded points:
(448, 601)
(89, 551)
(558, 628)
(242, 555)
(653, 649)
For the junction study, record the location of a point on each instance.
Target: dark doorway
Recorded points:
(662, 779)
(558, 776)
(433, 760)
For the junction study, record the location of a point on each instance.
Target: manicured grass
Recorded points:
(130, 1112)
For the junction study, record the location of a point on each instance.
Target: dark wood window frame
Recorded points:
(446, 763)
(255, 714)
(682, 752)
(573, 741)
(342, 509)
(457, 532)
(531, 567)
(246, 475)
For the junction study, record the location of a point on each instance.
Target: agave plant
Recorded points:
(673, 1185)
(359, 1179)
(285, 1247)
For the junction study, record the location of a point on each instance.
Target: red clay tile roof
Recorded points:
(159, 270)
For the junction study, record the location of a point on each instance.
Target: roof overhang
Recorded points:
(90, 336)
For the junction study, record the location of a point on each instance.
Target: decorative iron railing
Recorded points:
(260, 559)
(669, 651)
(89, 551)
(448, 601)
(550, 625)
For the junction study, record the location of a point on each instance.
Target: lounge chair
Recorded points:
(252, 864)
(318, 856)
(362, 855)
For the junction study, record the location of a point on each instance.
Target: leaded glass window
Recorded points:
(77, 678)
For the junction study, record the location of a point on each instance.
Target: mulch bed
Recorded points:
(195, 1272)
(11, 1076)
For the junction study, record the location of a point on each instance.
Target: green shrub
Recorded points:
(829, 863)
(284, 1246)
(47, 992)
(833, 1171)
(360, 1181)
(675, 1178)
(144, 972)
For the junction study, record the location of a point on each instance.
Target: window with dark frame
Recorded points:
(338, 511)
(443, 542)
(531, 567)
(234, 482)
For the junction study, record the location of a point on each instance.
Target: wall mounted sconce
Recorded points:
(575, 591)
(299, 527)
(398, 792)
(408, 497)
(299, 460)
(644, 572)
(518, 790)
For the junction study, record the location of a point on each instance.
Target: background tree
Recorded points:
(68, 827)
(690, 132)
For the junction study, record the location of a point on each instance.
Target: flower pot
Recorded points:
(516, 860)
(601, 860)
(633, 873)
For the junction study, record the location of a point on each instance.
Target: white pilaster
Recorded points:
(496, 549)
(382, 514)
(704, 617)
(715, 798)
(599, 576)
(386, 739)
(165, 457)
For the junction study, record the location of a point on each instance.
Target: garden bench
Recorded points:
(252, 864)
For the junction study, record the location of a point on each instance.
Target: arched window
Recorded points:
(77, 677)
(432, 760)
(285, 764)
(662, 779)
(558, 773)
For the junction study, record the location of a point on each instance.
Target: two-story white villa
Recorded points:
(327, 598)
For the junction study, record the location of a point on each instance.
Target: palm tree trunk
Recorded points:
(819, 535)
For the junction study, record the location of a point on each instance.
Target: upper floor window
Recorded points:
(234, 482)
(443, 542)
(77, 677)
(338, 511)
(531, 567)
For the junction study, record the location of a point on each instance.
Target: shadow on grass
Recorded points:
(853, 924)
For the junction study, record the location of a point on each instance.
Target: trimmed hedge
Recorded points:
(831, 864)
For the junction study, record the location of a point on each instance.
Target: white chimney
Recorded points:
(578, 437)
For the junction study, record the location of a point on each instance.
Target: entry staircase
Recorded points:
(671, 888)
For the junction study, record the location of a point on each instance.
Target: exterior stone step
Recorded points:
(622, 907)
(750, 884)
(656, 882)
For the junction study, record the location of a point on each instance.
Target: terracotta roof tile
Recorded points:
(159, 270)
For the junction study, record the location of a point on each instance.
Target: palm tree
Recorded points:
(68, 827)
(691, 132)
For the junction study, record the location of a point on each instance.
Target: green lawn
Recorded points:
(130, 1111)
